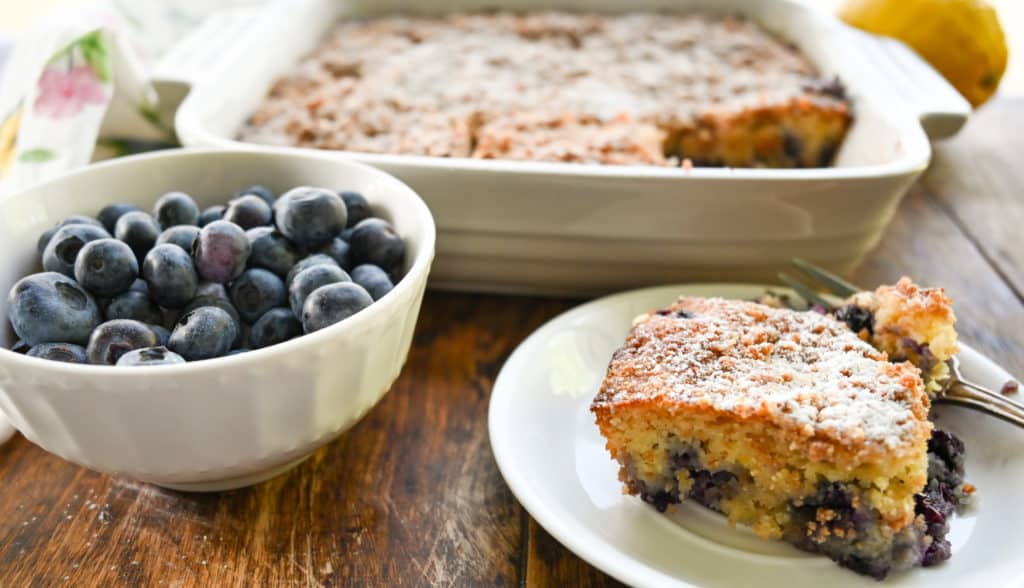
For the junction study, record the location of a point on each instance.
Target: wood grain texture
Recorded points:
(411, 496)
(978, 178)
(550, 564)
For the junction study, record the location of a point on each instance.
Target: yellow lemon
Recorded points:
(962, 39)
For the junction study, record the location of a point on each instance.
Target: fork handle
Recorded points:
(970, 395)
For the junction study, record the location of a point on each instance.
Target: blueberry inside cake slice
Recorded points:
(909, 323)
(786, 421)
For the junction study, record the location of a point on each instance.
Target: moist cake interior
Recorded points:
(909, 323)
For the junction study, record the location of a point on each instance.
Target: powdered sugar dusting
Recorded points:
(802, 370)
(467, 84)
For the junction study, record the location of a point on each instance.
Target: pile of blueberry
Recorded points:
(130, 288)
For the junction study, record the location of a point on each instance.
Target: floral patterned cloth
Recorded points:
(64, 93)
(52, 125)
(83, 76)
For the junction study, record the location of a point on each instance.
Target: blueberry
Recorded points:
(203, 333)
(169, 316)
(106, 267)
(357, 206)
(262, 191)
(308, 262)
(162, 334)
(183, 236)
(101, 302)
(949, 448)
(310, 217)
(113, 339)
(248, 211)
(140, 285)
(81, 219)
(239, 351)
(221, 303)
(375, 280)
(211, 289)
(309, 280)
(138, 230)
(63, 248)
(171, 276)
(66, 352)
(21, 346)
(338, 249)
(857, 318)
(242, 340)
(175, 208)
(939, 551)
(271, 250)
(374, 241)
(148, 356)
(256, 291)
(213, 213)
(133, 305)
(109, 214)
(333, 303)
(44, 239)
(277, 325)
(346, 235)
(221, 251)
(51, 308)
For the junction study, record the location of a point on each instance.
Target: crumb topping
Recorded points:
(801, 370)
(427, 85)
(912, 323)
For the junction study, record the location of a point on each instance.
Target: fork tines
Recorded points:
(816, 280)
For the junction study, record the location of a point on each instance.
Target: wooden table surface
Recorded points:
(412, 495)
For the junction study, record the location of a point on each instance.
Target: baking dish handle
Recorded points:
(940, 108)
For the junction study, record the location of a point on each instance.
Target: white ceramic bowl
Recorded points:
(227, 422)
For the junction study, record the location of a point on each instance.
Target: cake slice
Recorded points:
(786, 421)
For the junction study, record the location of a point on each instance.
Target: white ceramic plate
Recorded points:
(552, 456)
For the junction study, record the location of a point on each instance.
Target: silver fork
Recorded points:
(956, 391)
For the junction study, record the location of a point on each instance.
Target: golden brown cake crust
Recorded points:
(806, 375)
(909, 323)
(635, 89)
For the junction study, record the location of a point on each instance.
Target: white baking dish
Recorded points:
(565, 228)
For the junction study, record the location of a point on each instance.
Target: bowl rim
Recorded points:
(388, 303)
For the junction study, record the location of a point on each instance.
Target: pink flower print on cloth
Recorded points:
(64, 93)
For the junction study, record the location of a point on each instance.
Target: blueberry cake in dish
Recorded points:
(787, 421)
(632, 89)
